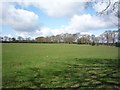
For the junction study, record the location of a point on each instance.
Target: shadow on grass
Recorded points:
(97, 74)
(90, 74)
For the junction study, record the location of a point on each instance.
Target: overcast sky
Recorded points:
(30, 18)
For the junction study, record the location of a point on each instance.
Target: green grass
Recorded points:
(60, 65)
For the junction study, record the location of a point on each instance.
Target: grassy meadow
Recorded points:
(34, 66)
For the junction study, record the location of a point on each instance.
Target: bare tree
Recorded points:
(5, 38)
(114, 37)
(13, 39)
(92, 38)
(20, 38)
(111, 7)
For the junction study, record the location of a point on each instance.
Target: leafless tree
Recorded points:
(111, 7)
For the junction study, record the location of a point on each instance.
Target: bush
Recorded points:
(117, 44)
(78, 41)
(93, 43)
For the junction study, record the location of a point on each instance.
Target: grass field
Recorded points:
(60, 66)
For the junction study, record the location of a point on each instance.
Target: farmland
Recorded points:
(28, 65)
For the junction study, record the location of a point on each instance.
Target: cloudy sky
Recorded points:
(30, 18)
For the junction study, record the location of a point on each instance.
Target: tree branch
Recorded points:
(109, 3)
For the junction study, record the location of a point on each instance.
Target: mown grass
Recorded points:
(60, 66)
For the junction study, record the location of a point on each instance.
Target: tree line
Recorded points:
(106, 38)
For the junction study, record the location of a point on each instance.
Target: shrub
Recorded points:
(93, 43)
(117, 44)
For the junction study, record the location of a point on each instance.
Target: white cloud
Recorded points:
(57, 8)
(19, 19)
(78, 23)
(44, 31)
(87, 22)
